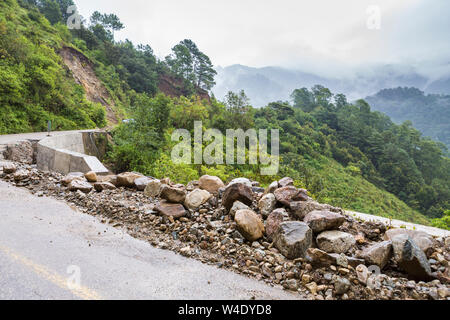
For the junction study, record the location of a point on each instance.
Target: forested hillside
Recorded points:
(342, 152)
(428, 113)
(36, 86)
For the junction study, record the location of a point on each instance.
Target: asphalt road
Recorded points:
(50, 251)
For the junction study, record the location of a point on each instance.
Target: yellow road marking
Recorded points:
(80, 291)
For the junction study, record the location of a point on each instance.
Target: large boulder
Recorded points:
(153, 189)
(411, 258)
(425, 241)
(196, 198)
(245, 181)
(323, 259)
(237, 192)
(237, 205)
(293, 238)
(273, 222)
(290, 194)
(141, 183)
(302, 208)
(324, 220)
(100, 186)
(320, 258)
(168, 209)
(172, 194)
(211, 184)
(73, 176)
(378, 254)
(272, 187)
(267, 204)
(286, 182)
(335, 241)
(249, 225)
(83, 186)
(127, 179)
(109, 178)
(91, 176)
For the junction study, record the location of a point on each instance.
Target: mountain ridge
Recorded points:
(272, 83)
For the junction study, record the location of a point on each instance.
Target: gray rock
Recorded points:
(378, 254)
(258, 190)
(172, 194)
(335, 241)
(321, 258)
(272, 187)
(168, 209)
(410, 258)
(100, 186)
(141, 183)
(237, 192)
(83, 186)
(362, 273)
(127, 179)
(293, 238)
(324, 220)
(267, 204)
(153, 189)
(290, 194)
(245, 181)
(341, 285)
(196, 198)
(422, 239)
(302, 208)
(291, 284)
(73, 176)
(273, 222)
(285, 182)
(237, 205)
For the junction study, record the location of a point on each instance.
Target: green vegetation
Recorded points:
(428, 113)
(307, 149)
(189, 62)
(394, 157)
(344, 153)
(444, 222)
(34, 85)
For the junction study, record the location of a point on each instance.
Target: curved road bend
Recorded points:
(45, 245)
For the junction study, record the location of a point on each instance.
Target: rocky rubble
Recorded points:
(278, 235)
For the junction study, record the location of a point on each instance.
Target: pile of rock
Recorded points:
(278, 234)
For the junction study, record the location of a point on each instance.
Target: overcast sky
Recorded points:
(325, 36)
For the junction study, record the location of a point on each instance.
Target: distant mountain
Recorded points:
(429, 113)
(264, 85)
(439, 86)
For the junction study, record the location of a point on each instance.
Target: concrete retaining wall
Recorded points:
(69, 153)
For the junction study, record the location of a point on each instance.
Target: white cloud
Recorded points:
(323, 35)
